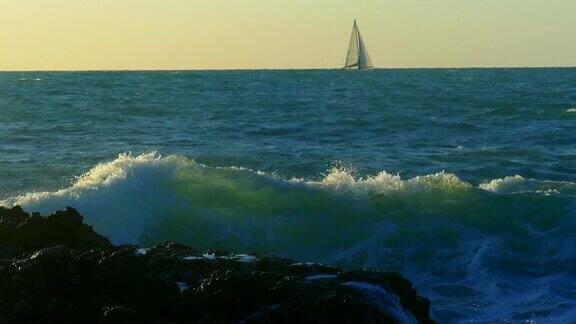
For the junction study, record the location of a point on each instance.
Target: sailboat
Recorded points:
(357, 56)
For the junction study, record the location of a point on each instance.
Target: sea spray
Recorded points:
(119, 198)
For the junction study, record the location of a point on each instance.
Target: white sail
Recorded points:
(357, 56)
(353, 49)
(364, 61)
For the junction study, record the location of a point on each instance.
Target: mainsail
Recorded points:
(357, 57)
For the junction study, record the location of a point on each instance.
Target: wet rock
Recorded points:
(86, 279)
(121, 315)
(401, 287)
(21, 232)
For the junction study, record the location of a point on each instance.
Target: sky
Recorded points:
(252, 34)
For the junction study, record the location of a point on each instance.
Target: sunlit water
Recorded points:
(464, 181)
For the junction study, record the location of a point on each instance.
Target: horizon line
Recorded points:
(287, 69)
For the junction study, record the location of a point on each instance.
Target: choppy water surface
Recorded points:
(462, 180)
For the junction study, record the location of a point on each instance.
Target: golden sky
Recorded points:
(223, 34)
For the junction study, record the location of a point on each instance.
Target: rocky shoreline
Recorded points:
(56, 269)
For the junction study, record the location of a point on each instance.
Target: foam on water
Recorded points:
(518, 184)
(321, 277)
(487, 251)
(119, 198)
(389, 303)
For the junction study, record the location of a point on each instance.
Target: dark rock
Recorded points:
(79, 276)
(21, 232)
(418, 306)
(121, 315)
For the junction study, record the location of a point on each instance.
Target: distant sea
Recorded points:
(462, 180)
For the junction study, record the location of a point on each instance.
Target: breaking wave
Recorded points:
(496, 249)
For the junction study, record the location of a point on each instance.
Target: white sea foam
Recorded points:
(518, 184)
(182, 286)
(505, 185)
(30, 79)
(342, 180)
(118, 198)
(142, 251)
(321, 277)
(242, 258)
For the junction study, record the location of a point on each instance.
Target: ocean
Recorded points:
(462, 180)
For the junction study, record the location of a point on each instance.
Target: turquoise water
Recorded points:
(462, 180)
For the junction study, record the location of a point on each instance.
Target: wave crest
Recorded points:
(118, 198)
(342, 180)
(128, 197)
(518, 184)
